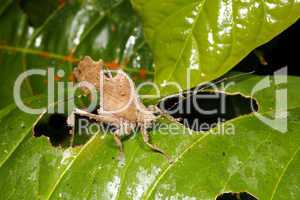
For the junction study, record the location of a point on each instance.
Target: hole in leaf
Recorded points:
(206, 110)
(54, 126)
(281, 51)
(236, 196)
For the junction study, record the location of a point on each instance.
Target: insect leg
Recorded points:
(154, 147)
(161, 113)
(71, 124)
(127, 128)
(98, 117)
(117, 138)
(72, 133)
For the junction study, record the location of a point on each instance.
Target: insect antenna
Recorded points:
(204, 86)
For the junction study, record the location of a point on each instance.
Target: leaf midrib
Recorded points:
(16, 146)
(70, 165)
(6, 112)
(171, 165)
(160, 177)
(283, 173)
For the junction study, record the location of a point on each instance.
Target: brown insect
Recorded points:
(120, 105)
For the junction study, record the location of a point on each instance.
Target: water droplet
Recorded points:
(66, 157)
(38, 41)
(189, 20)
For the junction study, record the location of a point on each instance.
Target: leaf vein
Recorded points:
(69, 166)
(171, 165)
(283, 172)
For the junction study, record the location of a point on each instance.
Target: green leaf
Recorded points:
(107, 30)
(208, 37)
(256, 159)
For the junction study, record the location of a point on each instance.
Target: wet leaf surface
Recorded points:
(208, 37)
(256, 159)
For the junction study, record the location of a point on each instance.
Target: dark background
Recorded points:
(281, 51)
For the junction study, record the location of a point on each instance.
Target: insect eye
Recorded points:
(107, 74)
